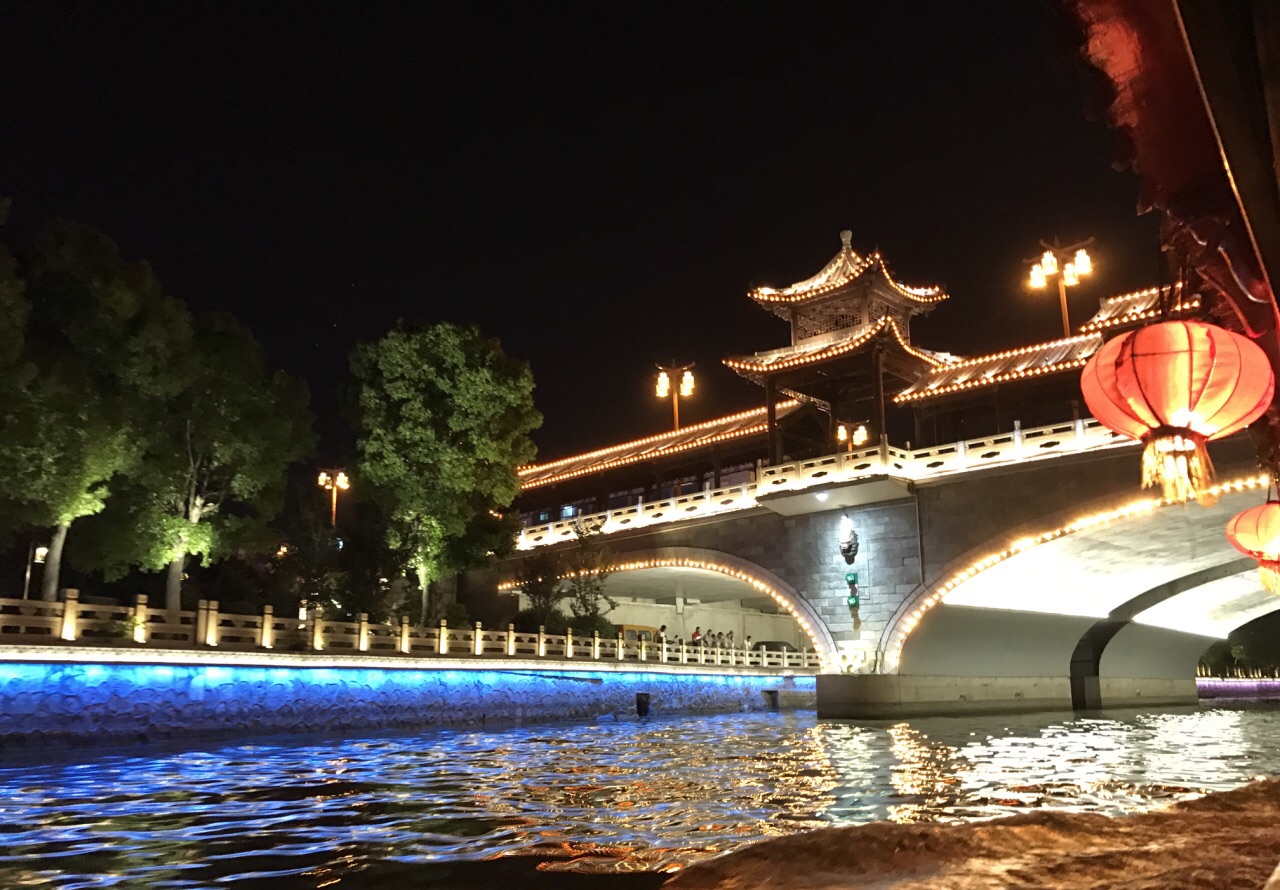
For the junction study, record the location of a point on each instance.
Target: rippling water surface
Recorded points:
(447, 808)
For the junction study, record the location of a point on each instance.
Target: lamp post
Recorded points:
(1067, 264)
(857, 437)
(333, 481)
(34, 555)
(665, 387)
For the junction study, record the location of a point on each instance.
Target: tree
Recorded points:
(102, 348)
(215, 460)
(589, 565)
(444, 418)
(538, 578)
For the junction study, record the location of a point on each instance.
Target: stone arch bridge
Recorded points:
(1023, 572)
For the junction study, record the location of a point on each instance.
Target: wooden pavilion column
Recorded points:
(771, 406)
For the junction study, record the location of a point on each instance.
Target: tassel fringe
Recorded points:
(1179, 466)
(1269, 572)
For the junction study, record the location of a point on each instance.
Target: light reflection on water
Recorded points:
(609, 797)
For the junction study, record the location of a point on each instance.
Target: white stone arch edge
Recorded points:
(750, 573)
(1104, 512)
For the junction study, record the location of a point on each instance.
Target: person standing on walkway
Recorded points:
(696, 638)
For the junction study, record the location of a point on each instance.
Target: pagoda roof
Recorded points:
(1139, 307)
(1039, 359)
(688, 438)
(844, 268)
(820, 349)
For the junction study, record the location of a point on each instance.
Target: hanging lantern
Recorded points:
(1174, 386)
(1256, 532)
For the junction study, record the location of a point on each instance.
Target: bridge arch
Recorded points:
(750, 574)
(1116, 587)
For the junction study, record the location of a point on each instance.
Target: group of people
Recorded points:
(713, 639)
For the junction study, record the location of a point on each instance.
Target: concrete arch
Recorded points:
(757, 577)
(1036, 595)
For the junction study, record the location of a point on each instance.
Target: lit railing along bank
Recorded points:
(923, 464)
(26, 622)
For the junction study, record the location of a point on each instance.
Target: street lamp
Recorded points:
(1067, 264)
(34, 555)
(332, 481)
(858, 437)
(664, 387)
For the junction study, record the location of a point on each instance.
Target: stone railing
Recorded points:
(1006, 449)
(24, 622)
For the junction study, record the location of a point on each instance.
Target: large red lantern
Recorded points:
(1256, 532)
(1174, 386)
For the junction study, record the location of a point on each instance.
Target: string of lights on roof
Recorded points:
(990, 379)
(1021, 545)
(1131, 317)
(720, 568)
(675, 448)
(854, 268)
(835, 349)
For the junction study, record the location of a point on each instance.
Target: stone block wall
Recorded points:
(78, 703)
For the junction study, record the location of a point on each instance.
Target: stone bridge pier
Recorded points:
(1049, 584)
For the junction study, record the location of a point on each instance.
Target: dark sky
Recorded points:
(595, 185)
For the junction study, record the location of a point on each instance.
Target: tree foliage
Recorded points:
(589, 565)
(102, 346)
(214, 461)
(538, 578)
(444, 418)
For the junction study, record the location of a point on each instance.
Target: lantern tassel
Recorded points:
(1178, 463)
(1269, 572)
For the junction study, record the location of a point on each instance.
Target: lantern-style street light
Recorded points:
(1067, 265)
(857, 437)
(333, 481)
(666, 387)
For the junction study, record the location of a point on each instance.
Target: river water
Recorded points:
(534, 806)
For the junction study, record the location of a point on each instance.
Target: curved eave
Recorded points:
(803, 292)
(754, 365)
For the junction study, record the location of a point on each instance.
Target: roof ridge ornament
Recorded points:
(846, 239)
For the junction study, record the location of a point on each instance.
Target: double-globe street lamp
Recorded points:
(666, 387)
(1067, 265)
(333, 481)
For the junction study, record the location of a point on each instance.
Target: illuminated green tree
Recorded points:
(102, 347)
(444, 418)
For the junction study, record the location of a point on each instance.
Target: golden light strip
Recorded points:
(835, 350)
(1132, 317)
(934, 294)
(671, 449)
(1084, 523)
(987, 380)
(828, 658)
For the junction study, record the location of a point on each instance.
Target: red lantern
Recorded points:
(1174, 386)
(1256, 532)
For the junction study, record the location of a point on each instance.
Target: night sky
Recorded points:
(597, 186)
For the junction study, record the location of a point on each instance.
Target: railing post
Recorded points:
(663, 656)
(267, 632)
(542, 641)
(511, 640)
(644, 652)
(1079, 426)
(962, 454)
(211, 629)
(595, 644)
(477, 643)
(202, 622)
(717, 655)
(733, 655)
(1017, 438)
(442, 644)
(70, 614)
(404, 635)
(568, 642)
(317, 628)
(884, 450)
(684, 653)
(620, 646)
(140, 618)
(363, 632)
(702, 653)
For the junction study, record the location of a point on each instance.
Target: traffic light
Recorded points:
(851, 601)
(851, 578)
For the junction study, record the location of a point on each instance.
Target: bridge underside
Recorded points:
(1112, 616)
